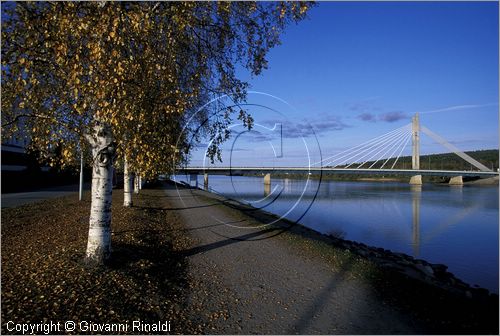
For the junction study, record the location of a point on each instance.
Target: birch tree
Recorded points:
(127, 184)
(122, 78)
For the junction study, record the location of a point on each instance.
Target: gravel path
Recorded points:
(256, 283)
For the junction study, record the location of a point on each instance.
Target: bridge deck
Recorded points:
(331, 171)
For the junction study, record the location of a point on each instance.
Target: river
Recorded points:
(455, 226)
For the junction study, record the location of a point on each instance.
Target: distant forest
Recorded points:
(446, 161)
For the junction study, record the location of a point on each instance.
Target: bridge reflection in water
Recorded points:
(416, 238)
(416, 195)
(267, 190)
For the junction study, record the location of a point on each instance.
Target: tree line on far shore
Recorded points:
(443, 161)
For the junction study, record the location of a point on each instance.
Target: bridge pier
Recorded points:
(193, 180)
(267, 179)
(416, 180)
(205, 181)
(456, 181)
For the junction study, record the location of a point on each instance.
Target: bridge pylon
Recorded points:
(415, 157)
(415, 130)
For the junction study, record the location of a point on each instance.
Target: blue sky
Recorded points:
(357, 70)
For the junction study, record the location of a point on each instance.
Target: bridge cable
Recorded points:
(454, 149)
(406, 143)
(360, 145)
(382, 148)
(395, 150)
(386, 153)
(366, 146)
(372, 148)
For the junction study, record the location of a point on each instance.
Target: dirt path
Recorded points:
(256, 283)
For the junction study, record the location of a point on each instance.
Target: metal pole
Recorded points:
(81, 176)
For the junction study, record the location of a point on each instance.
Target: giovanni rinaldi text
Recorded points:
(87, 326)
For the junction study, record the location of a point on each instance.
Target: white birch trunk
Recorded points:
(136, 184)
(140, 182)
(127, 185)
(99, 240)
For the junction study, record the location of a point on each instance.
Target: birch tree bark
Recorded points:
(136, 184)
(127, 184)
(99, 239)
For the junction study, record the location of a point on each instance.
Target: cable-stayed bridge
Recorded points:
(376, 156)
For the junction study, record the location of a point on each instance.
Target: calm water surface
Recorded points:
(456, 226)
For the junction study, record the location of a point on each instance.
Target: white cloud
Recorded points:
(459, 107)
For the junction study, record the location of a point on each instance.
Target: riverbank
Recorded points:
(207, 264)
(426, 179)
(486, 182)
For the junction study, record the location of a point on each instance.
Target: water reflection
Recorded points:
(267, 190)
(416, 195)
(449, 223)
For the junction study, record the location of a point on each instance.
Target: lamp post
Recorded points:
(80, 194)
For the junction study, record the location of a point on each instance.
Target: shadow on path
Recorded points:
(321, 301)
(118, 233)
(222, 243)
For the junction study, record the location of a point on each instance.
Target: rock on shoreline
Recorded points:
(418, 269)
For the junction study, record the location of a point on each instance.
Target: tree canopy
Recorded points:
(139, 67)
